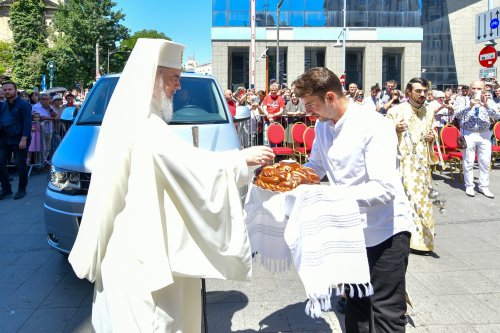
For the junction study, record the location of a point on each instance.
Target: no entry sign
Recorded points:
(487, 56)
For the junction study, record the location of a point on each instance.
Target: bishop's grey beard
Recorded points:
(166, 108)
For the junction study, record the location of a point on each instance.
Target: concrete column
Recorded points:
(296, 52)
(220, 63)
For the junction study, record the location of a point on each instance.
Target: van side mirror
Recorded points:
(68, 115)
(242, 113)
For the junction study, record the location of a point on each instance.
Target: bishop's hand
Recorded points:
(258, 155)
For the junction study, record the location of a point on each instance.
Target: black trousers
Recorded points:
(6, 151)
(384, 311)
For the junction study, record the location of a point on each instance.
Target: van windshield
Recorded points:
(197, 102)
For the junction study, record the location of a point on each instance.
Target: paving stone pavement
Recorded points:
(455, 290)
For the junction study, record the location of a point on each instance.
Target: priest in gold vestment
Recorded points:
(414, 128)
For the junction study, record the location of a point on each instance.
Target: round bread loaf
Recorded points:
(285, 176)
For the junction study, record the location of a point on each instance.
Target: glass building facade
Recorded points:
(437, 55)
(319, 13)
(438, 59)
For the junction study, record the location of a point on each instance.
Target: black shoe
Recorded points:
(420, 253)
(341, 305)
(20, 195)
(5, 194)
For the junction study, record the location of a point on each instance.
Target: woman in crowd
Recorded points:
(294, 110)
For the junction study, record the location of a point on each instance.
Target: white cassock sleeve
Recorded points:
(205, 233)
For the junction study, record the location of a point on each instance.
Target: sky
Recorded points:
(186, 22)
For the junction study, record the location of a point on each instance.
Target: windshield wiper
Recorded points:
(95, 122)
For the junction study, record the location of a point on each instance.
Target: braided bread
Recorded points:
(285, 176)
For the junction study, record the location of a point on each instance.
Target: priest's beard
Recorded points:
(165, 106)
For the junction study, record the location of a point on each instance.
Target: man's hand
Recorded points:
(258, 155)
(429, 137)
(22, 143)
(401, 126)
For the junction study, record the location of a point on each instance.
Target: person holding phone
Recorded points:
(475, 122)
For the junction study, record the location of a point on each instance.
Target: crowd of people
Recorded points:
(30, 131)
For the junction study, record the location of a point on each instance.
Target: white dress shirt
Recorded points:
(359, 153)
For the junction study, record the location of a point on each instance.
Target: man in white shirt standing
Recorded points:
(357, 151)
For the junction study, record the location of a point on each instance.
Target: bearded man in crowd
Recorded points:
(413, 122)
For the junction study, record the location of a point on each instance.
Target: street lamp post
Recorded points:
(113, 52)
(343, 34)
(344, 29)
(278, 7)
(51, 67)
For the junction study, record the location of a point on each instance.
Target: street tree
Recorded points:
(120, 55)
(129, 43)
(66, 68)
(5, 58)
(81, 24)
(29, 34)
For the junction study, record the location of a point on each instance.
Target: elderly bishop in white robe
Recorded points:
(160, 214)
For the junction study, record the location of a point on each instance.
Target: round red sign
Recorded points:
(487, 56)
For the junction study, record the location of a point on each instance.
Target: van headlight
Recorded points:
(65, 181)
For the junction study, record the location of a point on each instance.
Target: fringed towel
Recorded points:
(265, 219)
(324, 236)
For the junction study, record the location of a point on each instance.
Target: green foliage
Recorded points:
(129, 43)
(80, 24)
(119, 56)
(28, 30)
(5, 58)
(66, 66)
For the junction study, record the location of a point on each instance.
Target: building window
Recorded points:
(238, 67)
(391, 65)
(314, 57)
(354, 67)
(219, 19)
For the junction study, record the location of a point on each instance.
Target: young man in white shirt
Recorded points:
(357, 151)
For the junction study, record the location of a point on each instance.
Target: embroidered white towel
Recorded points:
(325, 236)
(318, 229)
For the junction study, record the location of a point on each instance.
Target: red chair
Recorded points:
(276, 139)
(297, 133)
(309, 136)
(311, 120)
(451, 155)
(495, 149)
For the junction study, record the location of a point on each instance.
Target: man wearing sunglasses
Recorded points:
(475, 123)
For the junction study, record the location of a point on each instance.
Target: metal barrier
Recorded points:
(36, 149)
(252, 132)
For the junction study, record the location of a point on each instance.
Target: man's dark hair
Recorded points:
(317, 82)
(375, 87)
(420, 80)
(10, 82)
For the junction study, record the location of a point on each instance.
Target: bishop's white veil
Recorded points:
(129, 105)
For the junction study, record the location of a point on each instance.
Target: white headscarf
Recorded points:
(111, 163)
